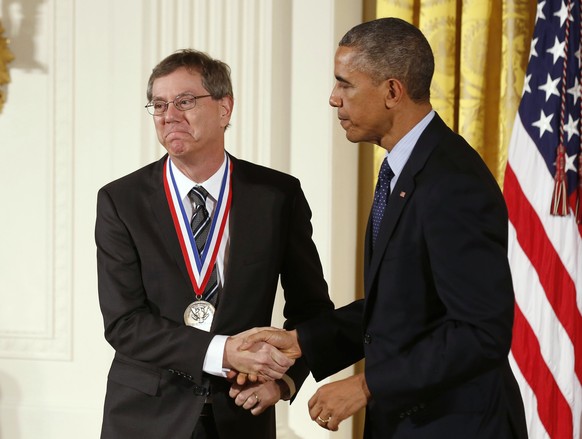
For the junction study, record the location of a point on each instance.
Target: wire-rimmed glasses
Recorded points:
(183, 102)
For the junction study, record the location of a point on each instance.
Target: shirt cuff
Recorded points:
(214, 356)
(291, 384)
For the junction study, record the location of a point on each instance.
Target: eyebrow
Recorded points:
(155, 97)
(341, 79)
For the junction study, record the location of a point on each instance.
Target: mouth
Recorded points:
(344, 121)
(175, 133)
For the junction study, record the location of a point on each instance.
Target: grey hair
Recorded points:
(215, 73)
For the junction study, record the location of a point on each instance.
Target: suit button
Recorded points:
(367, 338)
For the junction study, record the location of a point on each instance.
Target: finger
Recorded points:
(323, 422)
(314, 412)
(241, 379)
(262, 335)
(281, 359)
(333, 423)
(253, 378)
(252, 400)
(272, 371)
(234, 391)
(313, 400)
(258, 409)
(251, 339)
(271, 374)
(231, 375)
(241, 398)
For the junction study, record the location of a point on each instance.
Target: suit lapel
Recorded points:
(161, 212)
(241, 197)
(398, 199)
(241, 236)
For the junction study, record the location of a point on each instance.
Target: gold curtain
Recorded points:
(5, 57)
(481, 49)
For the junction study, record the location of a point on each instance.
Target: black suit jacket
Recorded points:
(156, 386)
(435, 325)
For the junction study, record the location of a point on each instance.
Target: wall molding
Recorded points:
(54, 341)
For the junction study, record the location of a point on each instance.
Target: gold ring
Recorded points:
(257, 397)
(323, 421)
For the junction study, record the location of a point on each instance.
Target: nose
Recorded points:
(334, 99)
(172, 113)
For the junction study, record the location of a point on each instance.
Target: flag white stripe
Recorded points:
(555, 344)
(537, 184)
(535, 427)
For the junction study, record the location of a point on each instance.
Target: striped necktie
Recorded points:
(200, 224)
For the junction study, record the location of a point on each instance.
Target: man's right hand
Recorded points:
(285, 341)
(258, 359)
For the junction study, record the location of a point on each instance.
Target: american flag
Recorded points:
(543, 190)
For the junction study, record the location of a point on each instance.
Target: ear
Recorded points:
(225, 107)
(394, 92)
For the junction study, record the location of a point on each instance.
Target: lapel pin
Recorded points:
(402, 194)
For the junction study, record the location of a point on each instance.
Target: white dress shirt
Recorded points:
(399, 155)
(214, 355)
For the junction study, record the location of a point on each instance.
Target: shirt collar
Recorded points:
(212, 185)
(399, 155)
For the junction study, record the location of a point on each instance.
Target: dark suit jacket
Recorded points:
(156, 387)
(435, 325)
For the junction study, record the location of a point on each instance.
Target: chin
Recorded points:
(176, 148)
(353, 137)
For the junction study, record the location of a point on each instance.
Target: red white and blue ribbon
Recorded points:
(199, 266)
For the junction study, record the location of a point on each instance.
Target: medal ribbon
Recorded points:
(199, 266)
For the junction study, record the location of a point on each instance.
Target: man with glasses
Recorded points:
(190, 250)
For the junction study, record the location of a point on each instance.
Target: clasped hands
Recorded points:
(258, 359)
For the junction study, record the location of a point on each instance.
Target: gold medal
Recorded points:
(199, 314)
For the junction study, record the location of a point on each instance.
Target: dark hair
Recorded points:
(393, 48)
(215, 73)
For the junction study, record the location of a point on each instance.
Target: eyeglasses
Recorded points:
(181, 102)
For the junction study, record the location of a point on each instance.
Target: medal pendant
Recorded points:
(199, 315)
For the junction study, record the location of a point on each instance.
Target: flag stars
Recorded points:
(526, 86)
(571, 127)
(570, 163)
(540, 12)
(563, 14)
(544, 123)
(557, 50)
(575, 91)
(550, 87)
(532, 48)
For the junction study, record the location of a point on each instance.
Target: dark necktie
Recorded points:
(200, 224)
(380, 197)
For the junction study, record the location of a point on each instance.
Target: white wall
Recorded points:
(74, 120)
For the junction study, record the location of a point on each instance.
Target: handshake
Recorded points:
(258, 359)
(260, 354)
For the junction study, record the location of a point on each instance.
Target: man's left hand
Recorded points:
(256, 397)
(339, 400)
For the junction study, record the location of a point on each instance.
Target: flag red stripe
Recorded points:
(553, 409)
(558, 285)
